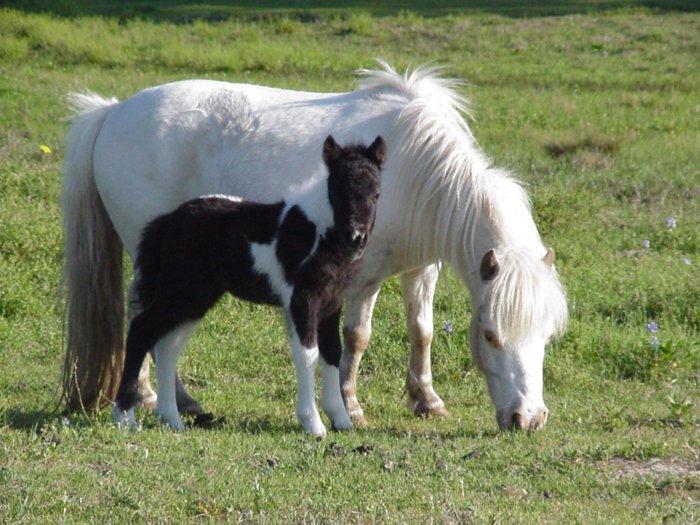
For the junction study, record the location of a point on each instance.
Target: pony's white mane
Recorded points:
(524, 293)
(454, 198)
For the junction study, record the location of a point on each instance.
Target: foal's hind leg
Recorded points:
(144, 331)
(331, 348)
(146, 395)
(166, 353)
(186, 404)
(418, 292)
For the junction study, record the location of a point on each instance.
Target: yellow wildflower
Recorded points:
(45, 149)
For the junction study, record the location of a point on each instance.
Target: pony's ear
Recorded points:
(549, 258)
(377, 151)
(489, 266)
(331, 150)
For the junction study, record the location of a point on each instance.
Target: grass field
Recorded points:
(596, 110)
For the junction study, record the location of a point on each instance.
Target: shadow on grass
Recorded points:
(33, 421)
(186, 11)
(265, 425)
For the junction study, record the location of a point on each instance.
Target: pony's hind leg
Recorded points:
(331, 349)
(418, 292)
(166, 353)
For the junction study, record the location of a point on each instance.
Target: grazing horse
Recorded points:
(128, 162)
(299, 255)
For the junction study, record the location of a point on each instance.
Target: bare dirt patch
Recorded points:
(656, 467)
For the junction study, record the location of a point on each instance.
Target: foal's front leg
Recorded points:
(305, 355)
(331, 349)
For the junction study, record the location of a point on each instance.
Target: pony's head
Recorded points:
(520, 306)
(353, 188)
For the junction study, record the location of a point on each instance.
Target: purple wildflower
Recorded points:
(652, 327)
(655, 343)
(671, 223)
(447, 327)
(646, 243)
(687, 261)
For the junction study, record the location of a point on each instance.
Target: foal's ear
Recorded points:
(331, 150)
(377, 151)
(489, 266)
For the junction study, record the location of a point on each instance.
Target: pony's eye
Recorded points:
(491, 338)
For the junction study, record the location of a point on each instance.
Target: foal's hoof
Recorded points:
(341, 423)
(313, 425)
(207, 420)
(124, 418)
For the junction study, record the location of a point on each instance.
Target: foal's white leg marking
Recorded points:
(331, 399)
(124, 418)
(166, 353)
(418, 292)
(305, 360)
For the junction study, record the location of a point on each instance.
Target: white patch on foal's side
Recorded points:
(265, 262)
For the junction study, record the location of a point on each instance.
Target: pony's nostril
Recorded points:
(517, 421)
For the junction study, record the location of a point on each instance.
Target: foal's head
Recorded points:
(353, 188)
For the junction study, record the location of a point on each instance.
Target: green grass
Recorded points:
(597, 112)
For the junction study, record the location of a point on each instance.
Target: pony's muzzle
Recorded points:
(520, 419)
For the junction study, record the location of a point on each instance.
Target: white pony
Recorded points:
(441, 200)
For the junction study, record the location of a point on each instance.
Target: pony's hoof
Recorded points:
(358, 419)
(149, 401)
(425, 409)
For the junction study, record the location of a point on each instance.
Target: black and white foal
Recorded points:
(299, 255)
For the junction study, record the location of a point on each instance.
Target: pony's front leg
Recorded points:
(305, 356)
(356, 332)
(166, 353)
(418, 292)
(331, 349)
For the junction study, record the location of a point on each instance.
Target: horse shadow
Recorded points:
(34, 421)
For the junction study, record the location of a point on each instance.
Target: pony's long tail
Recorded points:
(92, 278)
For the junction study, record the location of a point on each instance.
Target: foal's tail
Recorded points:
(92, 277)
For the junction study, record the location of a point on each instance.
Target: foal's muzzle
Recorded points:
(356, 239)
